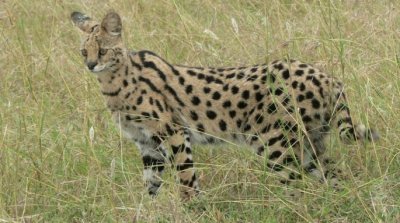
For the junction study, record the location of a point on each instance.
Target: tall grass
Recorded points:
(53, 171)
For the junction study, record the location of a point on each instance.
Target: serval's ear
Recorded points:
(112, 24)
(83, 22)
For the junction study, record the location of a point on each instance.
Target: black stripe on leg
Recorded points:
(342, 107)
(349, 133)
(189, 182)
(186, 165)
(178, 149)
(344, 120)
(155, 164)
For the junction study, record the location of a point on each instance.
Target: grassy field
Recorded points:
(51, 170)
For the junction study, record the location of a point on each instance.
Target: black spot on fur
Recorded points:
(302, 111)
(294, 84)
(278, 91)
(242, 104)
(274, 140)
(266, 129)
(218, 81)
(234, 89)
(189, 89)
(216, 95)
(259, 96)
(315, 103)
(139, 100)
(302, 87)
(264, 70)
(264, 79)
(306, 118)
(210, 79)
(240, 75)
(271, 108)
(259, 118)
(299, 72)
(226, 87)
(285, 74)
(125, 83)
(303, 65)
(239, 123)
(200, 76)
(300, 98)
(252, 78)
(211, 114)
(229, 76)
(181, 80)
(159, 106)
(245, 94)
(170, 131)
(286, 101)
(246, 128)
(194, 116)
(155, 115)
(222, 125)
(278, 66)
(191, 73)
(196, 100)
(232, 113)
(316, 82)
(309, 95)
(226, 104)
(275, 155)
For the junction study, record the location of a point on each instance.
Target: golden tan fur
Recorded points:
(283, 109)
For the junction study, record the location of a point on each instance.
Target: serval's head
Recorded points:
(102, 46)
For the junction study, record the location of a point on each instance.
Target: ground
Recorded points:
(63, 160)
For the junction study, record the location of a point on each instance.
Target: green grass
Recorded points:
(51, 171)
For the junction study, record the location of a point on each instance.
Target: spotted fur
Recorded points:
(283, 110)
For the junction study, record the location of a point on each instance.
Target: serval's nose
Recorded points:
(91, 65)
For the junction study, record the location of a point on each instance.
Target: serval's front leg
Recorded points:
(182, 156)
(153, 156)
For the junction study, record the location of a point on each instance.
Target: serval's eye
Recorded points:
(84, 52)
(103, 51)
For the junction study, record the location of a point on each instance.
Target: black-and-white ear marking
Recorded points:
(112, 24)
(82, 21)
(78, 17)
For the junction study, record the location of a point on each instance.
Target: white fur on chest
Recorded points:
(131, 130)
